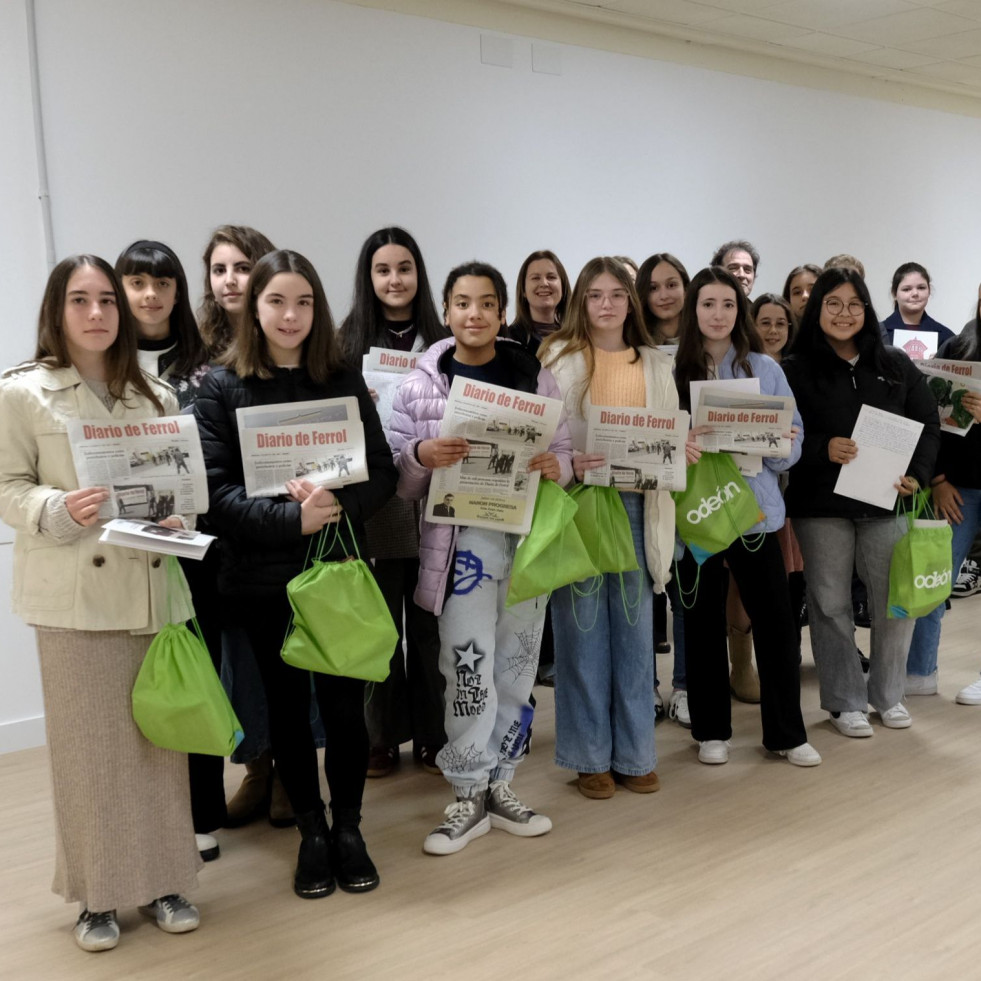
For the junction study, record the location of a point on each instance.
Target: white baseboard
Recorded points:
(23, 734)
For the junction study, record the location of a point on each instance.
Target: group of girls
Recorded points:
(118, 344)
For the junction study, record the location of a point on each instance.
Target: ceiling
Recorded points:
(934, 44)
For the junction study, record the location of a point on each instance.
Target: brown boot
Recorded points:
(744, 683)
(251, 800)
(280, 809)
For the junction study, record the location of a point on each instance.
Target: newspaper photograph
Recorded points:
(644, 448)
(742, 423)
(949, 382)
(491, 487)
(383, 371)
(152, 467)
(321, 441)
(156, 538)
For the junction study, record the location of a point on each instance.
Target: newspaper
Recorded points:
(949, 382)
(152, 467)
(492, 487)
(644, 448)
(156, 538)
(739, 423)
(749, 464)
(321, 441)
(384, 371)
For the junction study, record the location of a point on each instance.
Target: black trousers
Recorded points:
(207, 772)
(408, 704)
(341, 702)
(762, 583)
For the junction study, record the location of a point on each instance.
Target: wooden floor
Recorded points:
(865, 867)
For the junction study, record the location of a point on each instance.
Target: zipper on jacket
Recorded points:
(851, 371)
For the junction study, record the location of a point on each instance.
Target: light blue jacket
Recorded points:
(764, 486)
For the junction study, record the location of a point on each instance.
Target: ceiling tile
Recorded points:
(964, 8)
(893, 58)
(900, 30)
(828, 14)
(741, 6)
(964, 45)
(670, 11)
(828, 44)
(755, 28)
(953, 71)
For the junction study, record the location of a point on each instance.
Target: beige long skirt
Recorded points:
(122, 806)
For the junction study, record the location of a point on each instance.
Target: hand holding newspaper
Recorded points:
(644, 448)
(153, 468)
(492, 486)
(734, 423)
(156, 538)
(321, 441)
(383, 371)
(949, 383)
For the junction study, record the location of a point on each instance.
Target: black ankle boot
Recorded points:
(313, 877)
(354, 869)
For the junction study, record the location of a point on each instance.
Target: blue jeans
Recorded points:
(922, 658)
(604, 676)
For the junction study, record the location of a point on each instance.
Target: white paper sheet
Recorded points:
(886, 443)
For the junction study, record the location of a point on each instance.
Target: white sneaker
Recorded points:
(207, 847)
(803, 755)
(465, 820)
(971, 695)
(713, 751)
(507, 813)
(173, 913)
(678, 708)
(921, 684)
(896, 717)
(854, 724)
(96, 931)
(658, 706)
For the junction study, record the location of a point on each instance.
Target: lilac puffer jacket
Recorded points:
(417, 413)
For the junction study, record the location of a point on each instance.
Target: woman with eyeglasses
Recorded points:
(838, 364)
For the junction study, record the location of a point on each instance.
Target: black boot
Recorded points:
(354, 870)
(313, 877)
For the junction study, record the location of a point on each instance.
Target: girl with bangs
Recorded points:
(604, 690)
(718, 341)
(285, 351)
(121, 805)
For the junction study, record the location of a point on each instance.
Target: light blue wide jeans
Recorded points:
(604, 675)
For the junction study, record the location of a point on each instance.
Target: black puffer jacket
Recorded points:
(262, 546)
(830, 392)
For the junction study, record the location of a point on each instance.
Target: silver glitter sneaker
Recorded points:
(465, 820)
(96, 931)
(509, 814)
(173, 913)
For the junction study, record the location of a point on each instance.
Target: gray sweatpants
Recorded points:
(488, 657)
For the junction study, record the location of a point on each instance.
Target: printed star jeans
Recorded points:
(489, 657)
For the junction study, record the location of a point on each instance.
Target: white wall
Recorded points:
(317, 122)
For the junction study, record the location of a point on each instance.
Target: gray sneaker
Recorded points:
(173, 913)
(96, 931)
(509, 814)
(465, 820)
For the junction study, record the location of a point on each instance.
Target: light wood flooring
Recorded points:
(865, 867)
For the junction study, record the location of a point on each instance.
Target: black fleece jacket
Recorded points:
(830, 392)
(262, 545)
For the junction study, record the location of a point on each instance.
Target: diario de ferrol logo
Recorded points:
(708, 505)
(933, 580)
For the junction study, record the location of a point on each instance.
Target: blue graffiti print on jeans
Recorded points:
(468, 573)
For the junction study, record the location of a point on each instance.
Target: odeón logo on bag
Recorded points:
(933, 580)
(709, 505)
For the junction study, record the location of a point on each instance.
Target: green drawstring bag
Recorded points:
(604, 527)
(552, 554)
(921, 569)
(178, 699)
(716, 507)
(341, 624)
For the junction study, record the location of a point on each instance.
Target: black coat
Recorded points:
(830, 392)
(262, 544)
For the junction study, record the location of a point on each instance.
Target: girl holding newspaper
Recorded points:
(121, 805)
(604, 687)
(285, 351)
(718, 341)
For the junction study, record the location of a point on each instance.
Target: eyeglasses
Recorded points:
(616, 297)
(834, 306)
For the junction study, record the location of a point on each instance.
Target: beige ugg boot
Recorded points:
(251, 800)
(744, 683)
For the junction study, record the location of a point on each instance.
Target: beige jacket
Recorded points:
(66, 578)
(569, 370)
